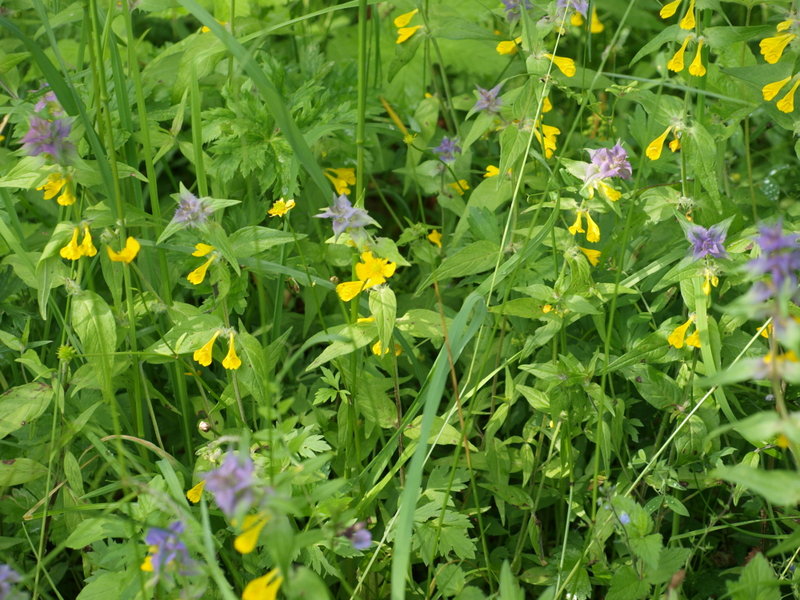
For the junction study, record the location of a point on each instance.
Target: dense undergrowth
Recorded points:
(399, 300)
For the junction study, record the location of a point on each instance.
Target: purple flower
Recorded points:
(488, 100)
(49, 103)
(581, 6)
(344, 216)
(165, 548)
(611, 162)
(192, 211)
(513, 8)
(48, 137)
(779, 261)
(359, 535)
(707, 242)
(231, 483)
(624, 518)
(8, 577)
(447, 150)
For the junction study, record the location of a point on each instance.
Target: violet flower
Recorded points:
(192, 211)
(779, 261)
(513, 8)
(8, 577)
(345, 216)
(359, 535)
(48, 131)
(447, 150)
(488, 99)
(707, 242)
(166, 548)
(611, 162)
(231, 483)
(580, 6)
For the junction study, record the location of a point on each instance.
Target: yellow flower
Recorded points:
(609, 192)
(547, 106)
(697, 68)
(459, 186)
(147, 564)
(341, 179)
(688, 20)
(378, 350)
(205, 29)
(203, 355)
(786, 104)
(576, 19)
(263, 588)
(771, 90)
(201, 250)
(564, 64)
(669, 9)
(596, 26)
(676, 62)
(675, 145)
(87, 247)
(772, 47)
(72, 251)
(435, 238)
(371, 271)
(281, 207)
(403, 31)
(67, 197)
(547, 138)
(404, 19)
(231, 360)
(363, 320)
(767, 331)
(199, 274)
(677, 338)
(709, 280)
(491, 171)
(509, 46)
(577, 226)
(694, 339)
(246, 541)
(127, 254)
(655, 147)
(592, 255)
(53, 185)
(784, 25)
(547, 308)
(592, 230)
(194, 494)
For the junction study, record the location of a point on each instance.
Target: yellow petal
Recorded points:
(597, 25)
(609, 192)
(194, 494)
(246, 542)
(786, 104)
(507, 47)
(127, 254)
(202, 249)
(87, 247)
(405, 18)
(771, 90)
(678, 335)
(203, 355)
(675, 145)
(349, 290)
(199, 274)
(576, 19)
(406, 32)
(669, 9)
(231, 360)
(592, 230)
(67, 198)
(147, 564)
(491, 171)
(784, 25)
(655, 147)
(263, 588)
(592, 255)
(688, 20)
(547, 106)
(53, 185)
(564, 64)
(694, 339)
(459, 186)
(676, 62)
(435, 238)
(72, 251)
(577, 226)
(707, 286)
(772, 47)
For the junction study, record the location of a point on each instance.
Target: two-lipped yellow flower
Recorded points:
(547, 137)
(204, 354)
(404, 32)
(194, 494)
(687, 22)
(696, 68)
(73, 250)
(341, 179)
(592, 230)
(281, 207)
(127, 254)
(564, 64)
(371, 271)
(786, 103)
(263, 588)
(772, 48)
(508, 47)
(654, 148)
(197, 276)
(678, 339)
(435, 238)
(246, 541)
(459, 186)
(593, 256)
(56, 182)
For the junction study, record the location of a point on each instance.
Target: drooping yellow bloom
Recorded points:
(401, 23)
(491, 171)
(697, 68)
(72, 251)
(547, 106)
(406, 32)
(194, 494)
(564, 64)
(676, 62)
(67, 197)
(677, 339)
(281, 207)
(592, 255)
(675, 145)
(669, 9)
(547, 138)
(231, 360)
(197, 276)
(147, 564)
(655, 147)
(371, 271)
(201, 249)
(576, 19)
(127, 254)
(709, 279)
(772, 47)
(246, 541)
(378, 350)
(509, 46)
(784, 25)
(577, 226)
(263, 588)
(87, 247)
(404, 19)
(688, 21)
(786, 104)
(597, 25)
(53, 185)
(435, 238)
(460, 186)
(203, 355)
(608, 192)
(341, 179)
(771, 90)
(694, 339)
(592, 229)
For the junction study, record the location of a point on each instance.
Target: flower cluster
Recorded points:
(192, 212)
(166, 550)
(514, 8)
(341, 179)
(772, 49)
(204, 354)
(578, 10)
(8, 577)
(488, 100)
(688, 21)
(73, 250)
(346, 217)
(404, 32)
(447, 150)
(654, 148)
(707, 244)
(60, 185)
(197, 276)
(778, 264)
(678, 339)
(48, 132)
(677, 62)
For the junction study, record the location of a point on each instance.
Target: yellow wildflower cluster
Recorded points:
(592, 230)
(772, 49)
(57, 182)
(678, 339)
(197, 276)
(73, 250)
(696, 68)
(204, 354)
(404, 32)
(341, 179)
(595, 26)
(688, 21)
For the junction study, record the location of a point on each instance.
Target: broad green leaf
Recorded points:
(776, 486)
(96, 529)
(383, 306)
(757, 582)
(94, 324)
(475, 258)
(23, 404)
(253, 240)
(15, 471)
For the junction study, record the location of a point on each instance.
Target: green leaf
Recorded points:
(353, 338)
(757, 582)
(249, 241)
(94, 324)
(15, 471)
(383, 306)
(475, 258)
(626, 585)
(23, 404)
(777, 486)
(96, 529)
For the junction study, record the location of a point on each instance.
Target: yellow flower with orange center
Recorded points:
(371, 271)
(281, 207)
